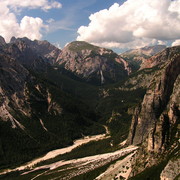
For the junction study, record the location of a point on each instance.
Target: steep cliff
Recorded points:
(155, 122)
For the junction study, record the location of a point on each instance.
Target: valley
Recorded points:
(85, 112)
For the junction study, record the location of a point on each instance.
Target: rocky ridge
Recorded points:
(41, 48)
(138, 57)
(154, 123)
(88, 62)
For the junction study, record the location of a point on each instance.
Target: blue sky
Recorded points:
(67, 20)
(115, 24)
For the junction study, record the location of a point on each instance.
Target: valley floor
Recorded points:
(57, 152)
(68, 169)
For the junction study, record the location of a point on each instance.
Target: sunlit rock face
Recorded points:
(92, 63)
(154, 123)
(139, 58)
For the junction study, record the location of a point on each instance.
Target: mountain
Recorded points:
(37, 114)
(160, 58)
(149, 101)
(79, 59)
(92, 63)
(50, 97)
(24, 54)
(2, 41)
(155, 121)
(147, 51)
(136, 57)
(41, 48)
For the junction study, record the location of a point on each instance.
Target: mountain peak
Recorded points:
(92, 63)
(81, 45)
(13, 39)
(38, 48)
(2, 41)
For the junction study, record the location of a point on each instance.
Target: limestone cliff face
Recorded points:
(93, 63)
(155, 101)
(154, 124)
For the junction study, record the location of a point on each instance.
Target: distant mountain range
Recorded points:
(137, 57)
(49, 97)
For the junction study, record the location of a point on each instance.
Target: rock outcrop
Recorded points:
(154, 124)
(171, 171)
(155, 101)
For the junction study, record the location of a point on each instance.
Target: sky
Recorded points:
(115, 24)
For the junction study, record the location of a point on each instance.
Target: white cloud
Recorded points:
(51, 20)
(134, 24)
(32, 4)
(28, 26)
(176, 43)
(57, 44)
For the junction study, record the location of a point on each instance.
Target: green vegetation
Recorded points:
(76, 118)
(78, 46)
(114, 110)
(71, 84)
(83, 112)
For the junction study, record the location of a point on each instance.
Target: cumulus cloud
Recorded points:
(176, 43)
(134, 24)
(28, 26)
